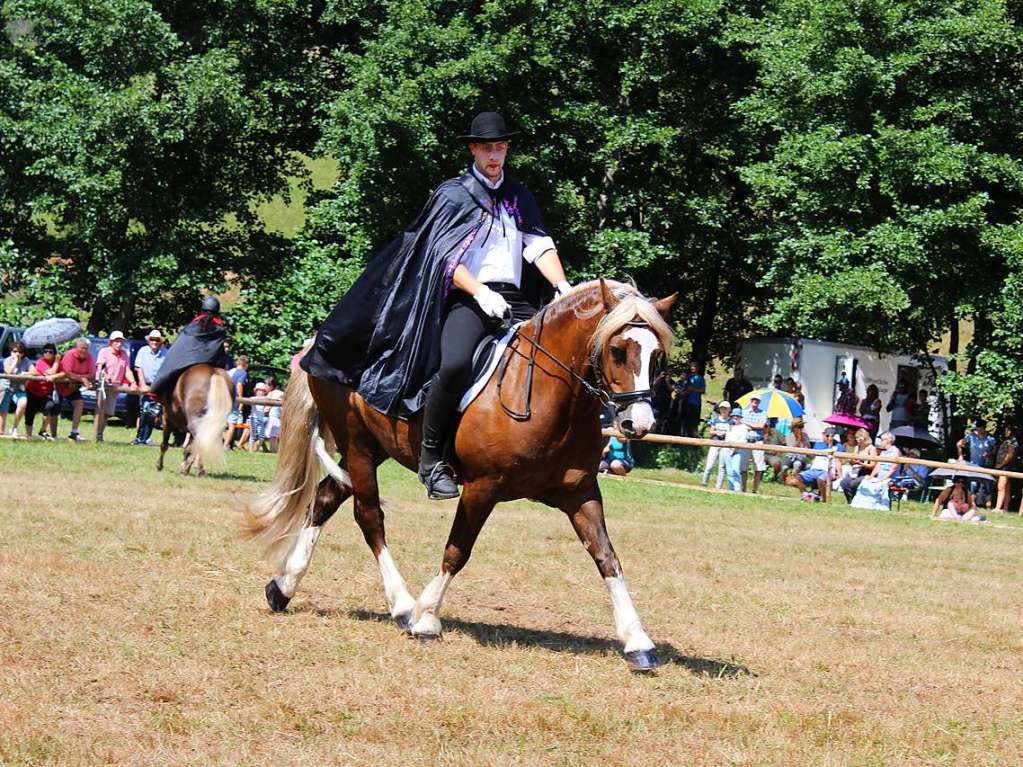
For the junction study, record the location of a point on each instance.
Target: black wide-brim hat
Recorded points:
(488, 126)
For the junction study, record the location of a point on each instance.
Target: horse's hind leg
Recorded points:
(281, 588)
(474, 507)
(370, 517)
(587, 517)
(164, 444)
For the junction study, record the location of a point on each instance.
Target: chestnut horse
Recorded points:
(200, 403)
(596, 345)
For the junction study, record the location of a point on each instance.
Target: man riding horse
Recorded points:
(405, 333)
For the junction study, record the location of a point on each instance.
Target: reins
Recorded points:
(606, 398)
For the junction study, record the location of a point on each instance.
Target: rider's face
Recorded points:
(489, 157)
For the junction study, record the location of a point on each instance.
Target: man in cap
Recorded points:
(113, 369)
(201, 341)
(404, 334)
(756, 420)
(148, 362)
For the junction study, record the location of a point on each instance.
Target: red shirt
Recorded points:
(69, 363)
(42, 388)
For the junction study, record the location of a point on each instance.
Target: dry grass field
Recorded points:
(133, 631)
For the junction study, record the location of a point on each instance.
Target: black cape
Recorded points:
(200, 342)
(383, 337)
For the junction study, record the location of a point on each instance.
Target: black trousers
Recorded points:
(464, 327)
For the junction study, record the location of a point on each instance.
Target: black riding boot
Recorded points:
(437, 475)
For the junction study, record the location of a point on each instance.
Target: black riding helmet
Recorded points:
(211, 304)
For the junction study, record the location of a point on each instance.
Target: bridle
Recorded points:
(619, 401)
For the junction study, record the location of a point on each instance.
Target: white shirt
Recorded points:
(497, 252)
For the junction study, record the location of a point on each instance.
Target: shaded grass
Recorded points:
(135, 631)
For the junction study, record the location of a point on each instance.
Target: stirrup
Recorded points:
(440, 482)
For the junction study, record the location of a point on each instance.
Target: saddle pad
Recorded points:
(481, 372)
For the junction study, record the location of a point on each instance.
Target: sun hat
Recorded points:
(724, 403)
(117, 335)
(154, 333)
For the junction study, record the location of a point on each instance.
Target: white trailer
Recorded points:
(818, 365)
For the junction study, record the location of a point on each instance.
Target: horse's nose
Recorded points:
(638, 432)
(625, 427)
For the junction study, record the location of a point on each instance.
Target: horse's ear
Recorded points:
(610, 302)
(663, 306)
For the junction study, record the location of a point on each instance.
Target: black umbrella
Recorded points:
(914, 436)
(955, 470)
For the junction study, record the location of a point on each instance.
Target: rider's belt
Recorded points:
(499, 286)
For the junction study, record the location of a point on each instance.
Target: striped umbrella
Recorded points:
(776, 403)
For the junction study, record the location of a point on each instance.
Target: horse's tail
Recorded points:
(279, 511)
(208, 441)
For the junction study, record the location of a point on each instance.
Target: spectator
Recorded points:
(795, 462)
(617, 457)
(873, 492)
(957, 502)
(776, 382)
(239, 375)
(859, 469)
(870, 410)
(737, 458)
(736, 386)
(148, 362)
(922, 410)
(13, 394)
(981, 447)
(40, 394)
(692, 394)
(799, 395)
(1005, 460)
(847, 399)
(661, 399)
(77, 369)
(113, 366)
(910, 476)
(719, 425)
(257, 419)
(813, 482)
(899, 405)
(273, 416)
(756, 419)
(772, 436)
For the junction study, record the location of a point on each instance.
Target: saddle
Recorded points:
(485, 360)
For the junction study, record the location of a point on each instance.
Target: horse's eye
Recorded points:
(618, 355)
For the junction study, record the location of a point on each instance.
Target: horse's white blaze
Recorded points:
(627, 623)
(641, 413)
(297, 563)
(426, 620)
(399, 600)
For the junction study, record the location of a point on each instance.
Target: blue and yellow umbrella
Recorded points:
(776, 403)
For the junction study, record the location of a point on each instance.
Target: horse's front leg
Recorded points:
(474, 507)
(587, 517)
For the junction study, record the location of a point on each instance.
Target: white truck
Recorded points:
(818, 365)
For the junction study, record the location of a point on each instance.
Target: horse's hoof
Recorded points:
(426, 638)
(275, 598)
(404, 622)
(642, 661)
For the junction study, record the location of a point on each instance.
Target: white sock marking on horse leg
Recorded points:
(399, 600)
(428, 606)
(627, 623)
(297, 563)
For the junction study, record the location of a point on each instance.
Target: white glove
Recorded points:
(562, 287)
(492, 304)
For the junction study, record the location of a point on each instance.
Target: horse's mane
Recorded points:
(631, 304)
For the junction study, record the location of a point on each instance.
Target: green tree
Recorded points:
(138, 136)
(891, 164)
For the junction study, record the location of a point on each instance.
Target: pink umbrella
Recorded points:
(847, 420)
